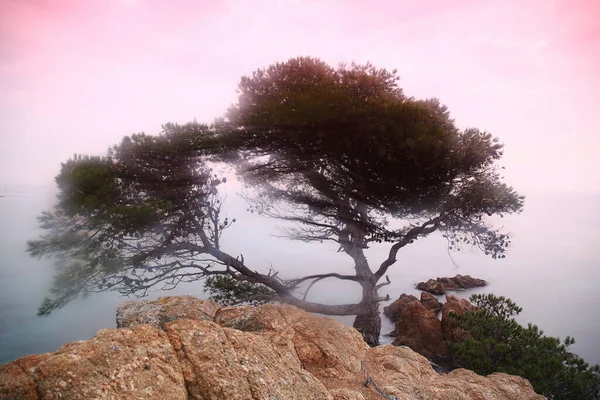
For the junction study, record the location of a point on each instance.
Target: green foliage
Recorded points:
(229, 291)
(345, 146)
(341, 153)
(498, 306)
(498, 343)
(132, 220)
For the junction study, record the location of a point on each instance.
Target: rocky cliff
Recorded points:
(186, 348)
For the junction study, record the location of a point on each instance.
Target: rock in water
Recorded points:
(432, 286)
(467, 282)
(267, 352)
(442, 285)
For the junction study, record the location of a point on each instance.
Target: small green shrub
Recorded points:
(499, 344)
(229, 291)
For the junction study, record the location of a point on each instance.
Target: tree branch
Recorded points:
(412, 234)
(283, 291)
(377, 287)
(295, 282)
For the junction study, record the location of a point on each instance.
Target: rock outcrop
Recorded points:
(116, 363)
(165, 309)
(431, 286)
(394, 310)
(430, 301)
(443, 285)
(417, 324)
(267, 352)
(458, 306)
(420, 329)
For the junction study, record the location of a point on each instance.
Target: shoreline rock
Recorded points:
(420, 329)
(440, 286)
(394, 310)
(449, 326)
(416, 325)
(170, 351)
(430, 301)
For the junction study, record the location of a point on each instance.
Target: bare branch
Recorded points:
(425, 229)
(379, 299)
(310, 287)
(295, 282)
(384, 283)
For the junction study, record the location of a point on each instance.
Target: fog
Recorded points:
(76, 76)
(551, 271)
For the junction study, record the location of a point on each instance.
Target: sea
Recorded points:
(552, 270)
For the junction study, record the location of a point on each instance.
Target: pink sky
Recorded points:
(77, 75)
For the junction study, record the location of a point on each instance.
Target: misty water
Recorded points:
(552, 271)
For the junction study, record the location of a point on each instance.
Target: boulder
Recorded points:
(267, 352)
(130, 363)
(394, 310)
(16, 383)
(442, 285)
(450, 329)
(326, 348)
(224, 363)
(431, 302)
(420, 329)
(401, 372)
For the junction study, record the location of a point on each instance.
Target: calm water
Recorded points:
(552, 271)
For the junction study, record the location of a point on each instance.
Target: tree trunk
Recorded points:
(368, 322)
(369, 325)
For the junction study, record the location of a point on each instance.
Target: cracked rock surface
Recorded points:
(186, 348)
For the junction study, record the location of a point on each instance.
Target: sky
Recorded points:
(78, 75)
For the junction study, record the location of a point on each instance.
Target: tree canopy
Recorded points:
(340, 153)
(334, 141)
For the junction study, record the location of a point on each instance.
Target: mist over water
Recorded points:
(552, 271)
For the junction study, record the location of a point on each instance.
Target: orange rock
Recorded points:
(430, 301)
(165, 309)
(394, 310)
(420, 329)
(450, 329)
(247, 353)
